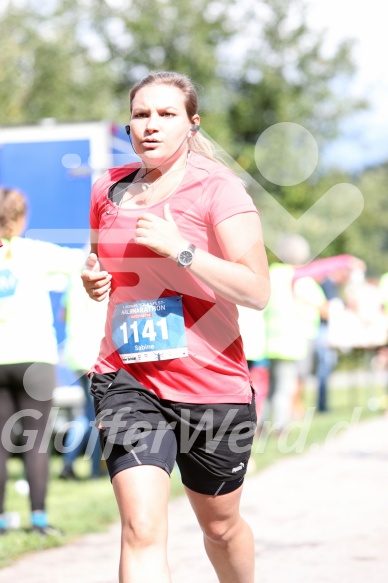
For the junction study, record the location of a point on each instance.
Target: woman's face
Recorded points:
(160, 127)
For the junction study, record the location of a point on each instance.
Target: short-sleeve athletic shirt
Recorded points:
(27, 332)
(215, 370)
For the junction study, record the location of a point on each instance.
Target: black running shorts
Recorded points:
(211, 443)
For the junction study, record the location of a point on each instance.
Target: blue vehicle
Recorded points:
(55, 165)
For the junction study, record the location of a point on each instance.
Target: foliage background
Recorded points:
(255, 64)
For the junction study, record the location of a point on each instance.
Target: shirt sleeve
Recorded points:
(55, 259)
(225, 196)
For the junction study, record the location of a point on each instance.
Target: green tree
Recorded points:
(47, 71)
(166, 35)
(79, 58)
(286, 76)
(255, 63)
(368, 236)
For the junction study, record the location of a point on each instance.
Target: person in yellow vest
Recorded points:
(287, 337)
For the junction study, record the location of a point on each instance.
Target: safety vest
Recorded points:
(286, 339)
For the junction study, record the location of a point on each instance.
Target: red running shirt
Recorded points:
(215, 370)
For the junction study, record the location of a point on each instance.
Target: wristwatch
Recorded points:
(185, 256)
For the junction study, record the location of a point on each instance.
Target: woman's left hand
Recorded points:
(159, 234)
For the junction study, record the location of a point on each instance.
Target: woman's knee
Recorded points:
(221, 531)
(143, 531)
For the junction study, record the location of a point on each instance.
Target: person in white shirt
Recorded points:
(28, 348)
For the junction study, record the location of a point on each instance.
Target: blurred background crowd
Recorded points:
(318, 311)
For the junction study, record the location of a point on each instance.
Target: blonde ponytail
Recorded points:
(201, 145)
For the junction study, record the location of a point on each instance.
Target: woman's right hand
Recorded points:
(97, 283)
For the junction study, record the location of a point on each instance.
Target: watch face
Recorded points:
(185, 257)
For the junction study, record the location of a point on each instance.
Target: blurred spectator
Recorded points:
(312, 306)
(286, 338)
(28, 351)
(333, 327)
(382, 355)
(383, 286)
(364, 300)
(85, 322)
(339, 328)
(326, 355)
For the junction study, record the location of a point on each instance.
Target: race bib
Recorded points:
(149, 330)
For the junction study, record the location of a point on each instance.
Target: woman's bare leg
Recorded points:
(142, 497)
(228, 538)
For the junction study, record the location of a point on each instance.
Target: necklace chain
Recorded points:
(147, 187)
